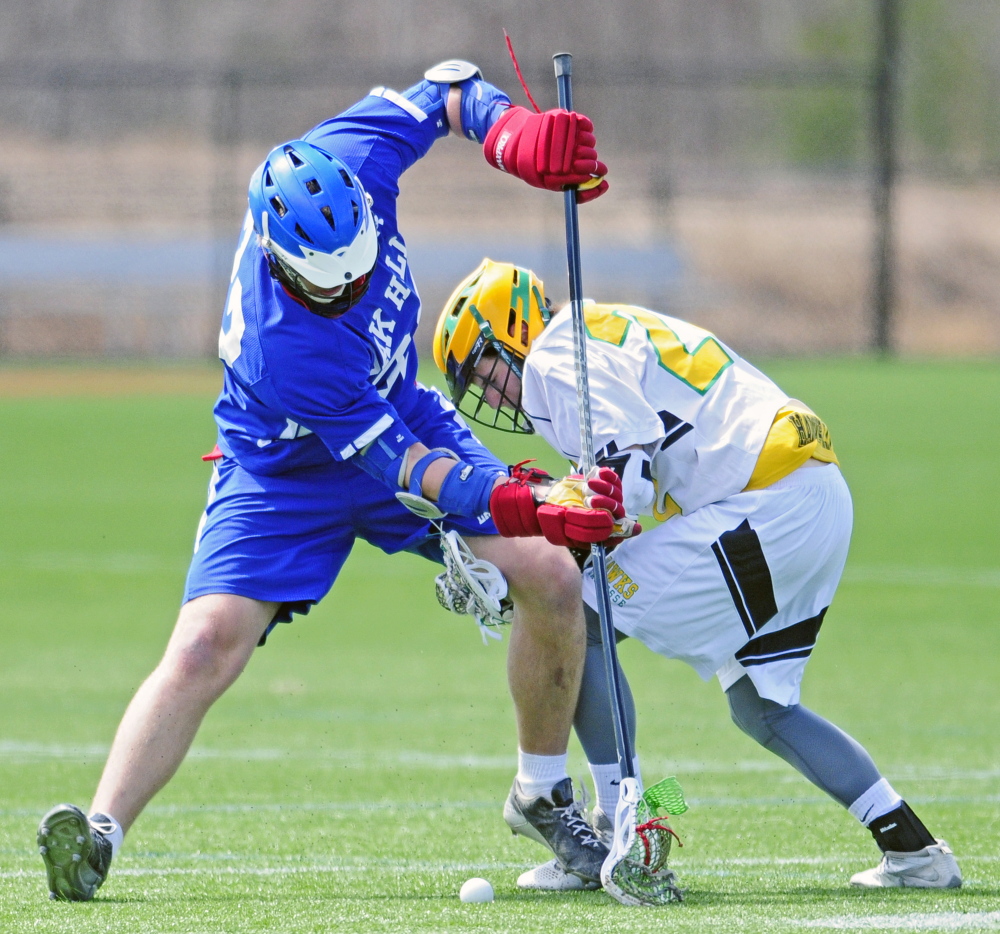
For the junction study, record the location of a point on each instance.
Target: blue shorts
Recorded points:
(285, 538)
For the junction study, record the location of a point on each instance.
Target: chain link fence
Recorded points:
(753, 151)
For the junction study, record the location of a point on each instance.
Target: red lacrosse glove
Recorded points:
(607, 492)
(566, 519)
(514, 503)
(607, 487)
(573, 511)
(553, 150)
(592, 189)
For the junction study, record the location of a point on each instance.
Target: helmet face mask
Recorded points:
(327, 303)
(492, 391)
(482, 339)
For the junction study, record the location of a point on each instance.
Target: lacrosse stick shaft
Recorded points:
(564, 83)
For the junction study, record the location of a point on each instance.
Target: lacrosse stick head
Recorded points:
(469, 585)
(635, 871)
(483, 335)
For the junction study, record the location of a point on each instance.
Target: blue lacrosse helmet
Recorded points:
(315, 224)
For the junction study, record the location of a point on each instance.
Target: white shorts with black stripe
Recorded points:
(739, 586)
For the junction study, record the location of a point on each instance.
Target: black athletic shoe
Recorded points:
(76, 855)
(557, 821)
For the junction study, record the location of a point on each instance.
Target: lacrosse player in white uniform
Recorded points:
(754, 526)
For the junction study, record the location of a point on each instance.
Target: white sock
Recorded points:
(607, 780)
(110, 828)
(880, 799)
(537, 774)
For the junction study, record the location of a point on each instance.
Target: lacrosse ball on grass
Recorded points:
(476, 890)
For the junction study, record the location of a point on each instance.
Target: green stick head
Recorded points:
(666, 797)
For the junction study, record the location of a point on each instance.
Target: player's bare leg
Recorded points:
(209, 648)
(548, 637)
(544, 667)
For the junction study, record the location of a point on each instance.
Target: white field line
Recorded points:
(18, 751)
(21, 750)
(693, 864)
(943, 773)
(393, 866)
(244, 866)
(15, 751)
(920, 921)
(336, 808)
(137, 563)
(349, 808)
(809, 800)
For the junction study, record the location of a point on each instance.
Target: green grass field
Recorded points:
(354, 776)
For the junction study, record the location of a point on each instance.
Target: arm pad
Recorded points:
(385, 457)
(466, 489)
(420, 468)
(472, 104)
(482, 105)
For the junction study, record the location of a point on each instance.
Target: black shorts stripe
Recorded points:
(734, 591)
(747, 568)
(766, 660)
(795, 641)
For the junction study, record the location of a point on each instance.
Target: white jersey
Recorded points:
(698, 410)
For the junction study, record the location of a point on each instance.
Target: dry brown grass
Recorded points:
(107, 381)
(780, 264)
(791, 274)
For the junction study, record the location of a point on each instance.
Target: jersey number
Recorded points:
(233, 325)
(698, 368)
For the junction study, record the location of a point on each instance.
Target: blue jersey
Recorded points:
(302, 390)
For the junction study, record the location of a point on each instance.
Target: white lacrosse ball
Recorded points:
(476, 890)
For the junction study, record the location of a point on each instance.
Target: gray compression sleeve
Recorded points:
(822, 752)
(592, 721)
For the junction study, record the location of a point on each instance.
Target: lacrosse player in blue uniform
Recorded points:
(755, 522)
(321, 422)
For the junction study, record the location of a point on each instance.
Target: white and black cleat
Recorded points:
(76, 855)
(557, 821)
(551, 877)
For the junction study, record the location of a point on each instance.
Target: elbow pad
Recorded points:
(385, 457)
(472, 104)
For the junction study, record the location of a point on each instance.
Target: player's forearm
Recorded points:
(433, 476)
(472, 105)
(457, 487)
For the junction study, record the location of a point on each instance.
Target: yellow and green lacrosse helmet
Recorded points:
(494, 314)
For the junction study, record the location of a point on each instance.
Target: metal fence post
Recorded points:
(885, 118)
